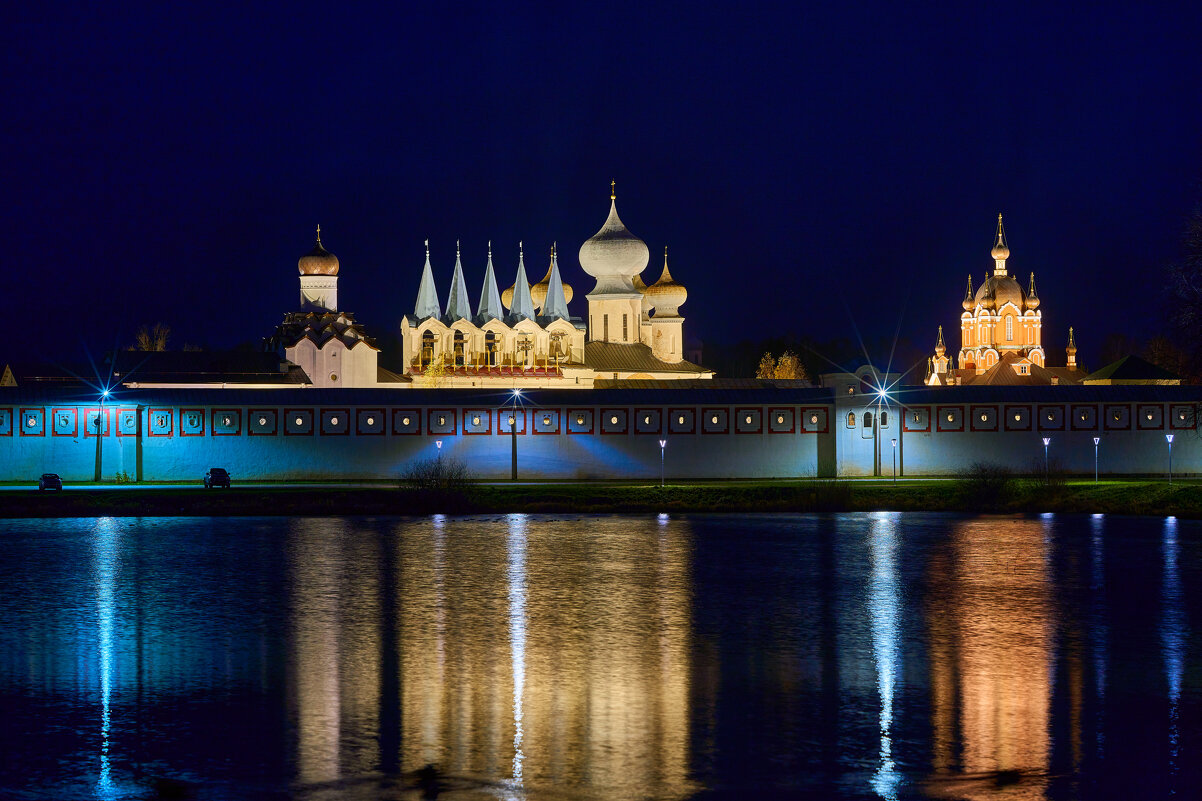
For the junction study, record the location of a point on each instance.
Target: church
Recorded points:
(526, 336)
(1001, 334)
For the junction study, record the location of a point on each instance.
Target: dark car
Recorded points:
(50, 481)
(217, 477)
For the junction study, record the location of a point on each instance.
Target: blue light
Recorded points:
(884, 610)
(517, 633)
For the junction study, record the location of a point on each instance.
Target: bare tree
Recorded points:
(1185, 290)
(151, 337)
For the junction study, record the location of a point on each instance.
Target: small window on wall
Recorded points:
(867, 419)
(884, 419)
(851, 419)
(1009, 329)
(625, 332)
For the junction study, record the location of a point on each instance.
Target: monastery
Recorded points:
(522, 337)
(1001, 334)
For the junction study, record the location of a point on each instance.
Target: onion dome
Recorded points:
(1032, 298)
(968, 296)
(666, 295)
(940, 348)
(538, 292)
(507, 295)
(318, 261)
(614, 255)
(998, 290)
(1000, 251)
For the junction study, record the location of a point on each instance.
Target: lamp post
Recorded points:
(438, 442)
(513, 436)
(100, 434)
(1096, 440)
(1169, 439)
(894, 440)
(1046, 441)
(662, 443)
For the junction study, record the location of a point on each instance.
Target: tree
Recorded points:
(789, 366)
(151, 337)
(1185, 291)
(435, 374)
(767, 367)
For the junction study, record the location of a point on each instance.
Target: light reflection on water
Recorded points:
(848, 656)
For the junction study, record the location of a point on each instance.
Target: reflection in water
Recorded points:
(107, 559)
(990, 616)
(517, 631)
(1098, 624)
(885, 613)
(1173, 633)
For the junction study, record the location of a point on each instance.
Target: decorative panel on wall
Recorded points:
(949, 418)
(519, 421)
(1051, 418)
(477, 421)
(613, 421)
(580, 421)
(1116, 417)
(815, 421)
(983, 418)
(32, 422)
(715, 421)
(1084, 418)
(191, 422)
(781, 420)
(64, 422)
(406, 421)
(298, 422)
(1017, 418)
(546, 421)
(442, 422)
(648, 421)
(369, 422)
(259, 422)
(749, 421)
(160, 422)
(335, 422)
(1150, 417)
(682, 421)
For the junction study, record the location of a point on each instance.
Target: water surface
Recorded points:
(547, 657)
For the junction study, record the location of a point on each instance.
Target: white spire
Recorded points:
(490, 296)
(458, 306)
(522, 305)
(556, 305)
(427, 294)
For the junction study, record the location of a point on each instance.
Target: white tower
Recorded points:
(614, 256)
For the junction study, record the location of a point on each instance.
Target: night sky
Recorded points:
(813, 171)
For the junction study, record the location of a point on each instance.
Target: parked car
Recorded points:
(217, 477)
(50, 481)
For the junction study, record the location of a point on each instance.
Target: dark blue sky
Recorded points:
(807, 167)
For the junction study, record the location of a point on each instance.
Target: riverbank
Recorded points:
(972, 495)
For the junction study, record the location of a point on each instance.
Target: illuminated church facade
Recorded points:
(1001, 333)
(526, 336)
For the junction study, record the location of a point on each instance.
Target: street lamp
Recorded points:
(100, 433)
(894, 440)
(1046, 441)
(662, 443)
(1096, 440)
(513, 435)
(1169, 438)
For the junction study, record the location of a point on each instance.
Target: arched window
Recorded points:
(1009, 329)
(459, 348)
(884, 419)
(867, 419)
(427, 356)
(851, 419)
(490, 348)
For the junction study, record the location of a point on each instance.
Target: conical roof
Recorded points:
(427, 294)
(458, 306)
(555, 305)
(538, 292)
(490, 298)
(522, 306)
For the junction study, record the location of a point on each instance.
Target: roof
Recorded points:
(205, 367)
(318, 326)
(1131, 368)
(613, 357)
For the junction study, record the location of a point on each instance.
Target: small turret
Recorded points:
(940, 348)
(458, 307)
(427, 293)
(968, 297)
(1032, 298)
(1071, 350)
(1001, 251)
(490, 298)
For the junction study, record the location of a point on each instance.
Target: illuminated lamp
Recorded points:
(299, 421)
(780, 419)
(951, 417)
(1051, 416)
(263, 421)
(1149, 415)
(613, 420)
(984, 417)
(579, 419)
(646, 419)
(680, 420)
(226, 421)
(747, 419)
(1117, 415)
(546, 419)
(404, 421)
(442, 421)
(1017, 416)
(31, 422)
(713, 420)
(371, 421)
(333, 421)
(1181, 415)
(814, 418)
(1083, 415)
(476, 420)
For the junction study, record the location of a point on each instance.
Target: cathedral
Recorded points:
(1001, 334)
(526, 336)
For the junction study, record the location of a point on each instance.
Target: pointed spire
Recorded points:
(490, 297)
(1072, 343)
(940, 348)
(613, 192)
(555, 306)
(427, 293)
(1031, 286)
(940, 343)
(319, 233)
(522, 306)
(458, 306)
(1001, 251)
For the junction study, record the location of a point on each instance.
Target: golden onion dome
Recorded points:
(507, 297)
(1000, 251)
(318, 261)
(666, 294)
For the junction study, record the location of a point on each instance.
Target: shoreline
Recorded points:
(1146, 497)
